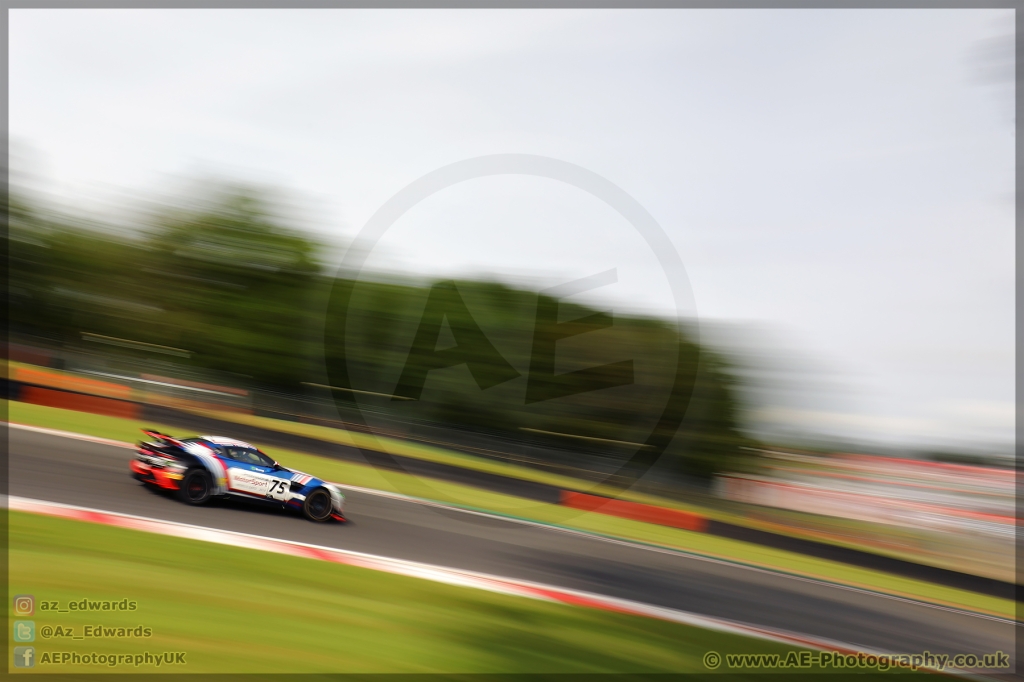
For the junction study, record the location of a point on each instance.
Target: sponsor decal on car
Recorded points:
(258, 484)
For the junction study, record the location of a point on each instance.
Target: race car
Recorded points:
(204, 467)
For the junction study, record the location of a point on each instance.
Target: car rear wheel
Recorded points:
(196, 487)
(318, 505)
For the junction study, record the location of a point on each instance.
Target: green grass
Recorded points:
(241, 610)
(699, 543)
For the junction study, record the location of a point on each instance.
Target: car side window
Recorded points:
(264, 460)
(242, 455)
(257, 458)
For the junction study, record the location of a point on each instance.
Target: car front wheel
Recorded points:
(318, 505)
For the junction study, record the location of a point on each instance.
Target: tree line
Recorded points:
(247, 295)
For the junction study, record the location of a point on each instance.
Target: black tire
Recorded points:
(196, 487)
(318, 505)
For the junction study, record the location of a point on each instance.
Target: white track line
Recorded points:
(581, 533)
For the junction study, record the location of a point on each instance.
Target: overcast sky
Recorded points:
(843, 179)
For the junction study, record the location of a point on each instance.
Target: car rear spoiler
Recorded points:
(163, 437)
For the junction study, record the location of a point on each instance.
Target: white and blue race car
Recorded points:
(204, 467)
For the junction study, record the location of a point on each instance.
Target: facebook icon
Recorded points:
(24, 656)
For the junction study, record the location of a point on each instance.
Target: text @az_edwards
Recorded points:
(98, 631)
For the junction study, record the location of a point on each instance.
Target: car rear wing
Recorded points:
(163, 438)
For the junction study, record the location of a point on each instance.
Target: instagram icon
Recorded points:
(24, 605)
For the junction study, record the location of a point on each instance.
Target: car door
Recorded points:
(280, 481)
(251, 475)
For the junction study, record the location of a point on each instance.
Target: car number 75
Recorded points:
(277, 489)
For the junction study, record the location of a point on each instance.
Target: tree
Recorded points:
(234, 287)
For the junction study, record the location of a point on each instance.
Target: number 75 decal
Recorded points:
(278, 490)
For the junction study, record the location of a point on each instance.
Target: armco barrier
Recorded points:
(662, 516)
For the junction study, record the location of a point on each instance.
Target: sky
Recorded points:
(839, 184)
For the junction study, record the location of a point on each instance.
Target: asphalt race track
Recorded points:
(77, 472)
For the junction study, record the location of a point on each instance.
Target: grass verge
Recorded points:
(245, 611)
(698, 543)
